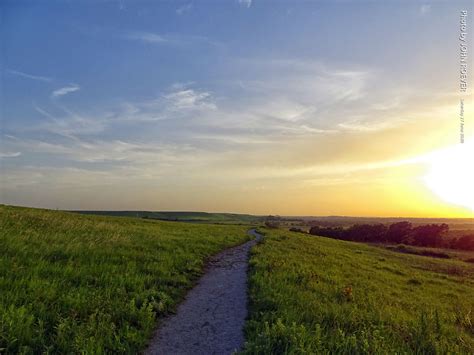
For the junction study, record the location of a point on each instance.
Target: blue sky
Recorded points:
(196, 104)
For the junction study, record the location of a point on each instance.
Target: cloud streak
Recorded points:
(189, 99)
(176, 40)
(65, 90)
(183, 9)
(9, 154)
(246, 3)
(146, 37)
(29, 76)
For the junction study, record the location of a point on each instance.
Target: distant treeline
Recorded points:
(430, 235)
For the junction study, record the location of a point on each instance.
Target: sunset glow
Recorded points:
(451, 174)
(226, 107)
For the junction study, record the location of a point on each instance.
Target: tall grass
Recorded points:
(73, 284)
(313, 295)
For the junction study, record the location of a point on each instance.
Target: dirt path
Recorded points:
(212, 317)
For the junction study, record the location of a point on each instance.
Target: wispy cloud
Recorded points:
(9, 154)
(146, 37)
(246, 3)
(69, 124)
(43, 112)
(424, 9)
(29, 76)
(370, 126)
(93, 150)
(184, 8)
(188, 129)
(176, 40)
(189, 99)
(305, 100)
(181, 101)
(65, 90)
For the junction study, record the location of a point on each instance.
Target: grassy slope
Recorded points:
(318, 295)
(74, 283)
(464, 255)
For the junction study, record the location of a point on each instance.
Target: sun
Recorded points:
(451, 174)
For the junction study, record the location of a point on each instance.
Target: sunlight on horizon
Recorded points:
(451, 174)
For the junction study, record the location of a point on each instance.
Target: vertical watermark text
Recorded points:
(463, 69)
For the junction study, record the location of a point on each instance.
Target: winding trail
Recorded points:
(211, 318)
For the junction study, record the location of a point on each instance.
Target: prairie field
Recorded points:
(194, 217)
(311, 294)
(72, 283)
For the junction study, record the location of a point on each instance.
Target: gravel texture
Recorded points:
(211, 318)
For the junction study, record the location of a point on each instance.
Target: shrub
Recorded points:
(272, 222)
(398, 232)
(466, 242)
(297, 230)
(429, 235)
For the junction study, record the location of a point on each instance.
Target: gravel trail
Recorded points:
(211, 318)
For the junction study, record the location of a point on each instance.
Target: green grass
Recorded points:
(318, 295)
(71, 283)
(464, 255)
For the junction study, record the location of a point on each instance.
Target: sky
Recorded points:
(247, 106)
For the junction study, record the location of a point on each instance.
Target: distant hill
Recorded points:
(195, 217)
(237, 218)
